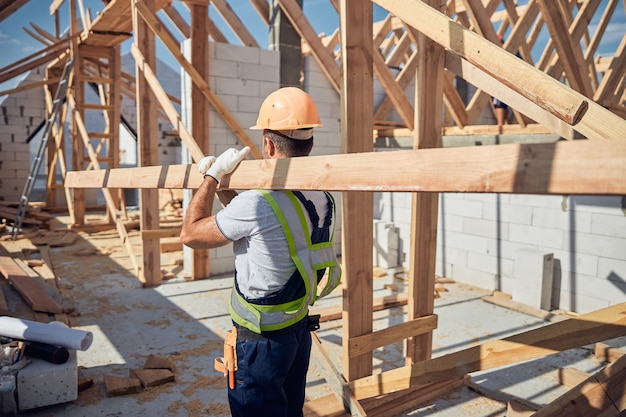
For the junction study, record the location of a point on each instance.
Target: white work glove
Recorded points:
(205, 163)
(223, 164)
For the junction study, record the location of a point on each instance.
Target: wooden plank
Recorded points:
(33, 294)
(500, 396)
(600, 395)
(607, 353)
(454, 102)
(233, 21)
(9, 7)
(517, 409)
(327, 406)
(177, 20)
(390, 405)
(368, 342)
(588, 328)
(614, 75)
(29, 86)
(571, 377)
(577, 167)
(54, 6)
(160, 233)
(334, 378)
(523, 308)
(262, 9)
(570, 53)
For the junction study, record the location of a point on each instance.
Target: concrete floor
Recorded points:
(186, 321)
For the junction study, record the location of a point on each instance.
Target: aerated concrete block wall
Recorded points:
(242, 77)
(21, 114)
(498, 241)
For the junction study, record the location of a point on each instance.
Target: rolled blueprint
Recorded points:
(54, 333)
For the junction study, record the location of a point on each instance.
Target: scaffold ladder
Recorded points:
(59, 96)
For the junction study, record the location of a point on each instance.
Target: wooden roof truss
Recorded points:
(430, 47)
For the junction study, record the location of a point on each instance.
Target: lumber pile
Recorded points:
(35, 218)
(30, 288)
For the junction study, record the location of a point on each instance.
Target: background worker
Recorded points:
(282, 242)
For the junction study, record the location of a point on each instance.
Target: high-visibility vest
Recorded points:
(308, 257)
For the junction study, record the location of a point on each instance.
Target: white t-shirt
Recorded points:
(262, 257)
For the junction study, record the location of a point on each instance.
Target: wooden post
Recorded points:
(427, 134)
(147, 135)
(200, 267)
(357, 92)
(78, 196)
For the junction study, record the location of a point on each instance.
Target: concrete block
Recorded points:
(608, 225)
(604, 246)
(507, 213)
(236, 53)
(531, 235)
(486, 228)
(41, 383)
(533, 272)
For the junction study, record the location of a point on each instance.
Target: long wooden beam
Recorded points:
(577, 167)
(588, 328)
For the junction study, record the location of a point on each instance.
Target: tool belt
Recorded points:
(228, 364)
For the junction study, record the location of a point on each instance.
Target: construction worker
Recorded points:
(283, 245)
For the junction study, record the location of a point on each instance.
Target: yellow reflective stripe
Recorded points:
(305, 225)
(283, 221)
(282, 325)
(265, 308)
(240, 320)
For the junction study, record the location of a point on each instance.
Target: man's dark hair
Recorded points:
(289, 146)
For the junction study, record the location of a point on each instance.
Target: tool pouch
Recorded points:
(228, 364)
(313, 322)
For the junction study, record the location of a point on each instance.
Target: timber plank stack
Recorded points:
(28, 287)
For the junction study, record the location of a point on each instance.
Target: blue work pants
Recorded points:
(271, 376)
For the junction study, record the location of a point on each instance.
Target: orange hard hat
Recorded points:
(288, 108)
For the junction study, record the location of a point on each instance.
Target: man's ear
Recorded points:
(270, 147)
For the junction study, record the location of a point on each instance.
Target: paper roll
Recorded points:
(51, 333)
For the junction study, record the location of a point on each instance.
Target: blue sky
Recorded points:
(15, 43)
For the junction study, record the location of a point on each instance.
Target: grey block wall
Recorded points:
(498, 241)
(20, 115)
(22, 112)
